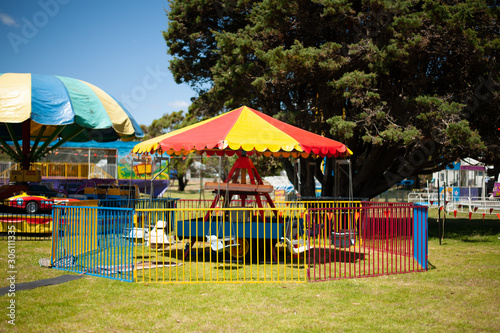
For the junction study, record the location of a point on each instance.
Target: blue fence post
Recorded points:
(420, 235)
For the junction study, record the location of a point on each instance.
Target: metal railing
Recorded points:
(186, 244)
(369, 241)
(65, 170)
(464, 204)
(231, 245)
(91, 240)
(423, 197)
(473, 205)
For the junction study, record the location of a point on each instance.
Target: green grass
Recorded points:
(192, 191)
(459, 293)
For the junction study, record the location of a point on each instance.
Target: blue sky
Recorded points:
(115, 45)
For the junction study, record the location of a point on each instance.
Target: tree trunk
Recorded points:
(290, 172)
(308, 176)
(328, 181)
(301, 175)
(183, 181)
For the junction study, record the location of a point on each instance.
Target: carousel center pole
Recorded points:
(242, 167)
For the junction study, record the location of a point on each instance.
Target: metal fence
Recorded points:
(221, 245)
(473, 205)
(14, 219)
(305, 204)
(293, 242)
(161, 203)
(454, 203)
(91, 240)
(63, 170)
(371, 240)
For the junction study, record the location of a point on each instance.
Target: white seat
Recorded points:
(218, 244)
(137, 234)
(160, 225)
(296, 246)
(159, 236)
(294, 243)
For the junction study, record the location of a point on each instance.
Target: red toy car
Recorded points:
(32, 198)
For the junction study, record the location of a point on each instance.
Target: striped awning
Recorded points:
(244, 129)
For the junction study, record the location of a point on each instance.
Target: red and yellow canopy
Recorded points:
(243, 129)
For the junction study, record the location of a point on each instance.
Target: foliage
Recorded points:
(409, 86)
(168, 123)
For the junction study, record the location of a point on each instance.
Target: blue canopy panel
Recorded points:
(50, 104)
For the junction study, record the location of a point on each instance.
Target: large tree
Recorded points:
(409, 86)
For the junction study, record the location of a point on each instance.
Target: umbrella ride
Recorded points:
(41, 110)
(243, 131)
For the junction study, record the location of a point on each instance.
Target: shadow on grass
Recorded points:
(224, 267)
(315, 255)
(478, 239)
(464, 230)
(325, 255)
(145, 257)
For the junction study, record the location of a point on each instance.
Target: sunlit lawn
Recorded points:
(460, 292)
(193, 191)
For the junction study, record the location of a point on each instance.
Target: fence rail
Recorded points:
(65, 170)
(464, 204)
(293, 242)
(473, 205)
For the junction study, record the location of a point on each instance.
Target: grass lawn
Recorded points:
(459, 293)
(191, 192)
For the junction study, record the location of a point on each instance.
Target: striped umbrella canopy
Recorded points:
(47, 109)
(244, 129)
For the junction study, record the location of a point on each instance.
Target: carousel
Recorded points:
(250, 216)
